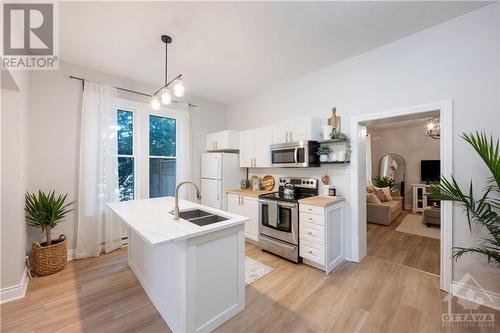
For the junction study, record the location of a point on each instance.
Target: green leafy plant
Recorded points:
(340, 135)
(384, 182)
(324, 150)
(484, 210)
(45, 211)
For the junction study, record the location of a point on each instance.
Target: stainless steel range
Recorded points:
(279, 216)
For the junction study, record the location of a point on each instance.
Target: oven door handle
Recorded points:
(287, 205)
(295, 155)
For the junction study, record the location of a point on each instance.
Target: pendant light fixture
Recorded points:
(433, 127)
(164, 94)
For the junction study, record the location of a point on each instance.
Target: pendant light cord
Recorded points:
(166, 62)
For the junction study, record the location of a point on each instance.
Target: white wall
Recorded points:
(457, 60)
(409, 142)
(14, 112)
(54, 126)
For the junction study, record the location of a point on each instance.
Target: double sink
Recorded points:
(201, 217)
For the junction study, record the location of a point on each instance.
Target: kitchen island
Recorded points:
(193, 272)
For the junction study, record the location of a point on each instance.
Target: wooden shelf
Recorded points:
(336, 162)
(340, 140)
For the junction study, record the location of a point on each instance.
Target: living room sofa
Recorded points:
(384, 212)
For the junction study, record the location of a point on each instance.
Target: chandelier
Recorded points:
(433, 127)
(164, 94)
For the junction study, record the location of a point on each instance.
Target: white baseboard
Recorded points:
(489, 298)
(71, 254)
(16, 291)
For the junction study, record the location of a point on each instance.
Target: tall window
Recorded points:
(162, 156)
(126, 179)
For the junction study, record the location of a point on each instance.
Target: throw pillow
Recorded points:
(372, 198)
(387, 193)
(381, 195)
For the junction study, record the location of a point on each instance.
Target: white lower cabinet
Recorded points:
(245, 206)
(321, 235)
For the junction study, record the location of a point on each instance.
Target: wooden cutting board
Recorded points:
(268, 183)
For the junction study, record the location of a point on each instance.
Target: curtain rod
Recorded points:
(127, 90)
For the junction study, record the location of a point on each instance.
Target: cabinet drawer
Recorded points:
(312, 252)
(312, 210)
(311, 218)
(312, 232)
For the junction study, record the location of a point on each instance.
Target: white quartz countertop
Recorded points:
(151, 219)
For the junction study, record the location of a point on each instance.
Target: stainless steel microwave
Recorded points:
(300, 154)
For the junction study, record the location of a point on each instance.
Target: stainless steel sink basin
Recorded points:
(193, 213)
(209, 219)
(201, 217)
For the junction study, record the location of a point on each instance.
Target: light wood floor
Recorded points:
(103, 295)
(384, 242)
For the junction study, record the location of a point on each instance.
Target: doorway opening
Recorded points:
(427, 213)
(403, 222)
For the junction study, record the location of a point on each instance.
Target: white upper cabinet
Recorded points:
(263, 138)
(247, 148)
(299, 129)
(254, 148)
(223, 140)
(281, 131)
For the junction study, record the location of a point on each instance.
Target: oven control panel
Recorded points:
(299, 182)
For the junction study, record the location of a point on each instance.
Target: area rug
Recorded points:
(412, 224)
(255, 270)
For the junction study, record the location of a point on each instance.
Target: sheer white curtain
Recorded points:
(98, 229)
(369, 160)
(184, 152)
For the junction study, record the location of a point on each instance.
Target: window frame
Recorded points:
(141, 112)
(134, 145)
(162, 157)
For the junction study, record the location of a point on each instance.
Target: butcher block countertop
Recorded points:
(321, 200)
(247, 192)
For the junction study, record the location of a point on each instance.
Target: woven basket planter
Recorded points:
(50, 259)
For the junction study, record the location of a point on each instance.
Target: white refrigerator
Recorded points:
(219, 172)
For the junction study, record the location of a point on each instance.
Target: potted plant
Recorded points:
(483, 209)
(347, 152)
(385, 182)
(323, 152)
(45, 211)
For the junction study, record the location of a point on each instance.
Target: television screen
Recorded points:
(430, 170)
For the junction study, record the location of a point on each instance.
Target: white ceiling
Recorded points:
(229, 51)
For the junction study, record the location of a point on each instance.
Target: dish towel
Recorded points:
(272, 213)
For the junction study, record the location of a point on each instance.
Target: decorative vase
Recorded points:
(341, 156)
(323, 158)
(332, 157)
(326, 132)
